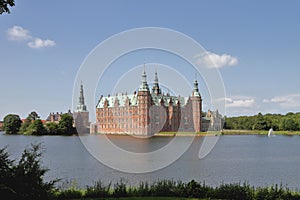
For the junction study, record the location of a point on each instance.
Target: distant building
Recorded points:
(81, 114)
(146, 113)
(213, 121)
(1, 125)
(55, 117)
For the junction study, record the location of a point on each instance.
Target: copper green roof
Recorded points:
(132, 98)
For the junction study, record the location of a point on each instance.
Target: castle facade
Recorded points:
(147, 112)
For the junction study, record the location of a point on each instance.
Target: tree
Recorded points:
(28, 127)
(25, 126)
(11, 124)
(6, 174)
(288, 124)
(36, 128)
(52, 128)
(65, 124)
(4, 5)
(24, 180)
(33, 116)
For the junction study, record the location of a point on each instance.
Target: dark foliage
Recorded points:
(120, 189)
(69, 194)
(98, 190)
(24, 180)
(4, 5)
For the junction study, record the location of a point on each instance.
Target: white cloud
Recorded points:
(286, 101)
(38, 43)
(212, 60)
(18, 33)
(239, 102)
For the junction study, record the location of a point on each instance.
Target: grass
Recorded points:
(169, 189)
(228, 132)
(254, 132)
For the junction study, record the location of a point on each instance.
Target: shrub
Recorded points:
(69, 194)
(120, 189)
(163, 188)
(98, 190)
(196, 190)
(143, 189)
(234, 191)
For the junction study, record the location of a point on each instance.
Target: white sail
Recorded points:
(270, 132)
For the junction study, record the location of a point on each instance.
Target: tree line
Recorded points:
(33, 125)
(278, 122)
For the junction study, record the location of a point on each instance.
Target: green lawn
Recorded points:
(251, 132)
(228, 132)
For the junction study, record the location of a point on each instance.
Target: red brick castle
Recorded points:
(146, 113)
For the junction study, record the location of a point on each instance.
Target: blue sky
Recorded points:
(254, 44)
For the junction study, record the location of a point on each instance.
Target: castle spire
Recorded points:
(144, 86)
(196, 89)
(155, 89)
(81, 106)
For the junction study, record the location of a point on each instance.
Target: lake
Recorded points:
(258, 160)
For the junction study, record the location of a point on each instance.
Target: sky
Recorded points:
(254, 45)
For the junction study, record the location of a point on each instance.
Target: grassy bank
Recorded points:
(169, 189)
(211, 133)
(254, 132)
(227, 132)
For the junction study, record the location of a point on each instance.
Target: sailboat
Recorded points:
(270, 133)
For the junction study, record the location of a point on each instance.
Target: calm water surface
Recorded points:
(257, 159)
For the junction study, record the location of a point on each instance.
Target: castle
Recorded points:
(146, 113)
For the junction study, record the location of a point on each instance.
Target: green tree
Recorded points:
(65, 124)
(36, 128)
(33, 116)
(11, 124)
(52, 128)
(288, 124)
(25, 180)
(25, 126)
(260, 123)
(4, 5)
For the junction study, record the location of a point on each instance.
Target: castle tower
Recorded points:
(81, 115)
(144, 103)
(81, 107)
(196, 107)
(155, 89)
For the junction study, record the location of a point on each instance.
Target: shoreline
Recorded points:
(230, 132)
(184, 134)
